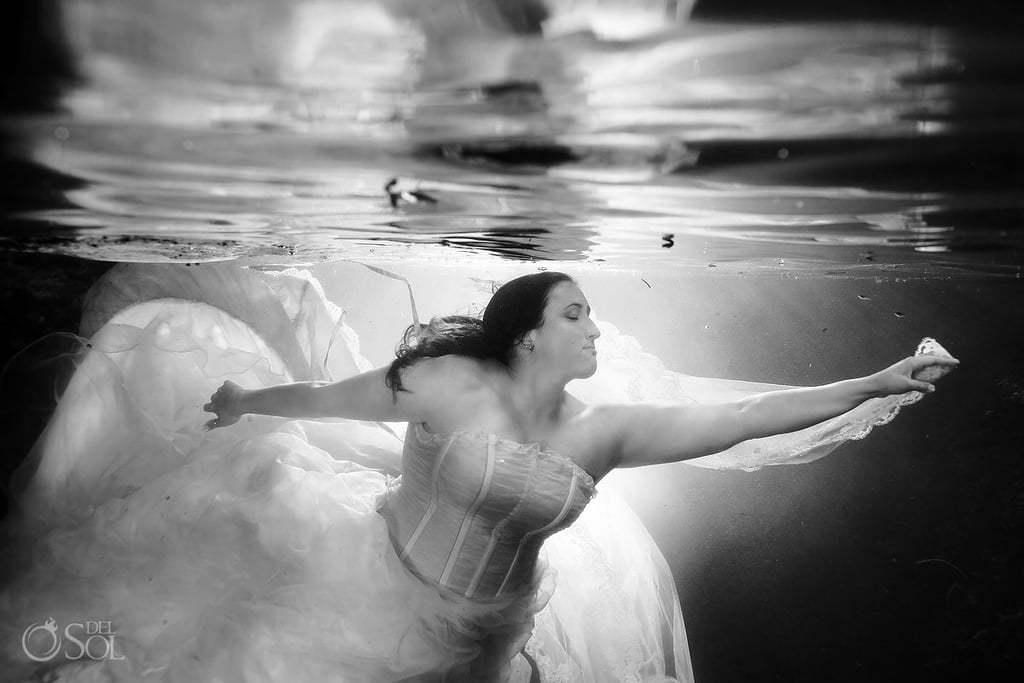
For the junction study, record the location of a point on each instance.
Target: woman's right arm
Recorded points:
(361, 397)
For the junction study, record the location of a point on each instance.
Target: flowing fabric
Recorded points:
(627, 374)
(261, 551)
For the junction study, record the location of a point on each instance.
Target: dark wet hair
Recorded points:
(515, 309)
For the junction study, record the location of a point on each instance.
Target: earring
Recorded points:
(527, 344)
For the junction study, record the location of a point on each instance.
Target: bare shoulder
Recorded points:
(451, 392)
(444, 376)
(591, 435)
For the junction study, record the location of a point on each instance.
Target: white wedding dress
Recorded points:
(276, 549)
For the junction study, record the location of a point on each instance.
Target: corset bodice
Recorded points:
(472, 509)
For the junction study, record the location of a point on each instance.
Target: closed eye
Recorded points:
(573, 311)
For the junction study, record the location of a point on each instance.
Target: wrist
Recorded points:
(242, 401)
(869, 386)
(872, 386)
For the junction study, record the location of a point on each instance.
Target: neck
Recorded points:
(537, 395)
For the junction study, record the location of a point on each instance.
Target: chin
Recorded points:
(587, 372)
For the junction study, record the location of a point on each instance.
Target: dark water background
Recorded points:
(803, 192)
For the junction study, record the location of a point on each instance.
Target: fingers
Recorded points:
(212, 424)
(924, 387)
(931, 359)
(927, 369)
(927, 360)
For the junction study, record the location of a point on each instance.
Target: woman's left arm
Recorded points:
(649, 434)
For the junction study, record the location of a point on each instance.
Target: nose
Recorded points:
(593, 332)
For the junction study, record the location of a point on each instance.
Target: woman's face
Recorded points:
(565, 341)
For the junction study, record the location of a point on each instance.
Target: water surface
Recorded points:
(849, 148)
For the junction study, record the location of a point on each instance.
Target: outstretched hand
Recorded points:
(225, 404)
(916, 373)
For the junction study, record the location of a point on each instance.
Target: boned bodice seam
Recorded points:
(534, 447)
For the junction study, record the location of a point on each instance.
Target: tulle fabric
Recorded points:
(256, 552)
(614, 588)
(250, 554)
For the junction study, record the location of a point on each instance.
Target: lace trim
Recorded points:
(814, 442)
(928, 346)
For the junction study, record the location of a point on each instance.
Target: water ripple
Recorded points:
(809, 148)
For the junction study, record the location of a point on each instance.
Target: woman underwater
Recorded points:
(285, 549)
(476, 389)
